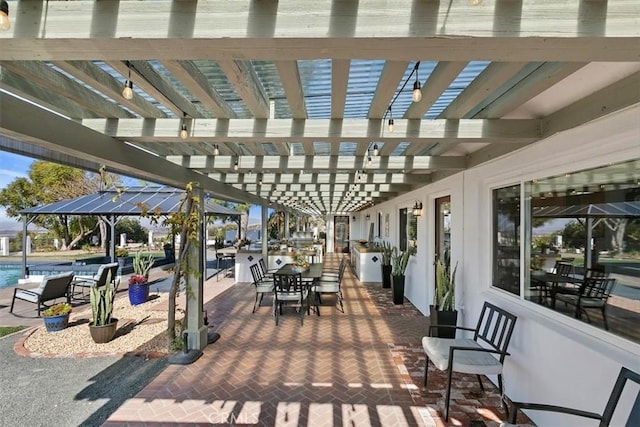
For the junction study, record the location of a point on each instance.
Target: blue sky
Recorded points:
(13, 166)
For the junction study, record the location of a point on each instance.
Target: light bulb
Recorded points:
(127, 92)
(184, 134)
(235, 166)
(390, 125)
(369, 161)
(216, 150)
(417, 92)
(376, 151)
(5, 24)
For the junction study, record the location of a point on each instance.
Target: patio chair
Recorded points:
(593, 294)
(328, 285)
(262, 284)
(288, 288)
(51, 288)
(633, 418)
(494, 329)
(105, 271)
(265, 271)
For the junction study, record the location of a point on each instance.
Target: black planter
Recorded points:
(398, 289)
(446, 318)
(386, 276)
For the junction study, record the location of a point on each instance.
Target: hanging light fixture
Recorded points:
(216, 150)
(184, 133)
(390, 119)
(376, 151)
(235, 165)
(5, 24)
(260, 180)
(127, 92)
(417, 208)
(417, 91)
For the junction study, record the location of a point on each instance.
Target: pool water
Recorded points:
(9, 276)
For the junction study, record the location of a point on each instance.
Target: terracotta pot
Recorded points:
(103, 334)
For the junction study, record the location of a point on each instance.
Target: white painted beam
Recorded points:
(292, 85)
(339, 83)
(440, 79)
(390, 78)
(244, 79)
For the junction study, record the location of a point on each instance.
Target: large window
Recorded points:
(587, 223)
(506, 239)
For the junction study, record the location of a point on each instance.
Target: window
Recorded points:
(506, 239)
(408, 229)
(586, 222)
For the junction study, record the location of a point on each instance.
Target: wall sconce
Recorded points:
(368, 217)
(417, 208)
(353, 218)
(5, 24)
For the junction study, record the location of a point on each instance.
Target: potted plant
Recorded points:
(443, 311)
(121, 255)
(56, 317)
(169, 252)
(399, 262)
(387, 251)
(103, 326)
(138, 289)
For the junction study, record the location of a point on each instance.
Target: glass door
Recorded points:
(442, 227)
(341, 234)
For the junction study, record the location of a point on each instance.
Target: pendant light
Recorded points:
(127, 92)
(184, 133)
(5, 24)
(376, 151)
(216, 150)
(235, 165)
(390, 120)
(417, 91)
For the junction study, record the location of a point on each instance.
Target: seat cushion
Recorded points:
(470, 362)
(29, 295)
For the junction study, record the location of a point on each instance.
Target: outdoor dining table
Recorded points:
(309, 276)
(544, 277)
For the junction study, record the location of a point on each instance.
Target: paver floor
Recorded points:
(362, 367)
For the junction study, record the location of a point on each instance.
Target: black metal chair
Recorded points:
(494, 329)
(262, 284)
(633, 418)
(51, 288)
(330, 285)
(593, 294)
(289, 288)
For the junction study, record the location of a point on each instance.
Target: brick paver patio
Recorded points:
(363, 367)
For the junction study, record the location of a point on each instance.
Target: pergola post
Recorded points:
(287, 235)
(264, 221)
(196, 329)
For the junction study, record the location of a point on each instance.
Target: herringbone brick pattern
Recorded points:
(358, 368)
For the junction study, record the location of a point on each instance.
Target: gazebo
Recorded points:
(115, 203)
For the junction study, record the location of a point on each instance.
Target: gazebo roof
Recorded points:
(164, 200)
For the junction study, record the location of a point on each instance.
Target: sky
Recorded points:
(14, 166)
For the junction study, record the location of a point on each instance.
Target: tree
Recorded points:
(133, 229)
(48, 183)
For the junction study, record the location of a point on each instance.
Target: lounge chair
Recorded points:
(51, 288)
(99, 280)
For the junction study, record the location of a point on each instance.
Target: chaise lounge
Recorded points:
(51, 288)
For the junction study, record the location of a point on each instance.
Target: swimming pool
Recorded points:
(9, 276)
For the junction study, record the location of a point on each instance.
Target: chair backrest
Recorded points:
(495, 327)
(563, 268)
(263, 266)
(634, 416)
(287, 284)
(103, 273)
(595, 272)
(256, 273)
(55, 286)
(597, 287)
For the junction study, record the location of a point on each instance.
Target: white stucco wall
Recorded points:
(555, 358)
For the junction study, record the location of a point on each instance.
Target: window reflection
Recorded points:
(589, 220)
(506, 240)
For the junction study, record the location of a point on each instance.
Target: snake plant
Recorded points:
(101, 300)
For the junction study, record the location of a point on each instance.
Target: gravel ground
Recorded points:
(140, 329)
(68, 391)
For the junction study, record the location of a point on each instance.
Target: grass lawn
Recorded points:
(6, 330)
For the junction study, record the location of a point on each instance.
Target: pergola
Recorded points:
(288, 102)
(115, 203)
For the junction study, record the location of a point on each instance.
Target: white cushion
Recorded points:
(469, 362)
(31, 296)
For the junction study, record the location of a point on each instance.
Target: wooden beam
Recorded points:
(391, 76)
(292, 85)
(440, 79)
(244, 79)
(339, 82)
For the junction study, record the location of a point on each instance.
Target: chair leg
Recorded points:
(500, 384)
(447, 398)
(255, 303)
(480, 382)
(604, 317)
(426, 372)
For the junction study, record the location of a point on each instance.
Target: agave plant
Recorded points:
(400, 260)
(101, 300)
(444, 298)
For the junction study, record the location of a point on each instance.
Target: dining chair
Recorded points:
(593, 294)
(262, 284)
(289, 288)
(604, 418)
(483, 354)
(329, 285)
